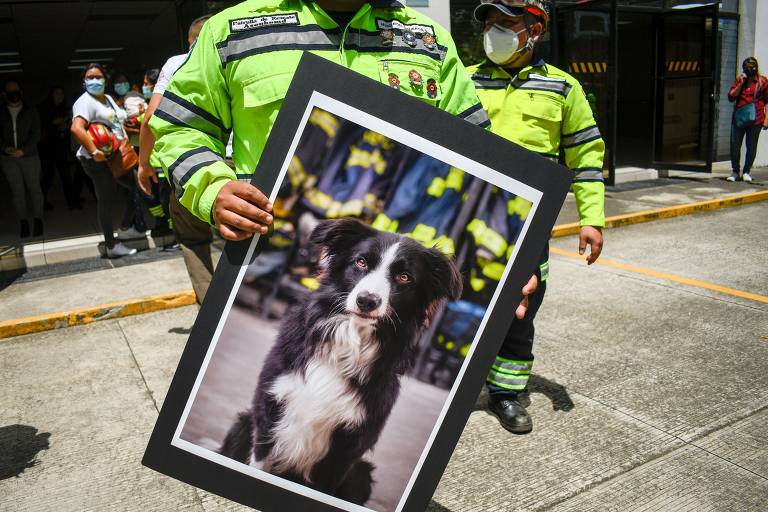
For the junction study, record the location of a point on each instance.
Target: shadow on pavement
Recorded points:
(180, 330)
(436, 507)
(557, 394)
(19, 445)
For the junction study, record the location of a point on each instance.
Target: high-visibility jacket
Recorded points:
(425, 202)
(544, 110)
(237, 74)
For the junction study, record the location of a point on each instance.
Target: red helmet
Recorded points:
(103, 138)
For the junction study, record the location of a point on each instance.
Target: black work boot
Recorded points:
(511, 413)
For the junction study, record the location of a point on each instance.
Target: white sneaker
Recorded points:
(747, 177)
(732, 177)
(119, 250)
(130, 234)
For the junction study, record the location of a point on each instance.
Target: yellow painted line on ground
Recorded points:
(663, 275)
(666, 213)
(82, 316)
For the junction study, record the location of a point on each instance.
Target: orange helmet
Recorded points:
(103, 138)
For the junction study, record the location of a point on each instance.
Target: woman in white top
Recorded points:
(94, 105)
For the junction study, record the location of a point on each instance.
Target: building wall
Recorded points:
(438, 10)
(754, 42)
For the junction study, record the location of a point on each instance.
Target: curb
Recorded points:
(51, 321)
(82, 316)
(666, 213)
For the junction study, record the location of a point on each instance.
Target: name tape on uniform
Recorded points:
(245, 24)
(395, 24)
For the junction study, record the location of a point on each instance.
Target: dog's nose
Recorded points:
(367, 302)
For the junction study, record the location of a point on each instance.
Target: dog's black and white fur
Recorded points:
(329, 384)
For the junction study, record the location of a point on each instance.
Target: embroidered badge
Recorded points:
(274, 20)
(387, 37)
(429, 41)
(409, 38)
(415, 78)
(431, 88)
(394, 81)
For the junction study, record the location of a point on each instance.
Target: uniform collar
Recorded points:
(536, 62)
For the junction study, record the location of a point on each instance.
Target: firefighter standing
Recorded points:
(237, 75)
(543, 109)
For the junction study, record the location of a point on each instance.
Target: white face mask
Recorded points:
(501, 44)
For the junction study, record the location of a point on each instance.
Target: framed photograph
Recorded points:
(336, 361)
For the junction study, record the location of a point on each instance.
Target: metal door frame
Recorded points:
(713, 11)
(610, 7)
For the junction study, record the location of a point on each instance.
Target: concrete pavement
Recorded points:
(649, 393)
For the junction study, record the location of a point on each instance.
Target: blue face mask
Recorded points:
(122, 88)
(94, 86)
(146, 90)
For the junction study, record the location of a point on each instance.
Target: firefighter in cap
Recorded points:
(543, 109)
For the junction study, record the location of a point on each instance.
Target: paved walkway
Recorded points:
(649, 393)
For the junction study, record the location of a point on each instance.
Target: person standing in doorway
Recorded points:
(95, 106)
(55, 117)
(748, 92)
(19, 136)
(544, 109)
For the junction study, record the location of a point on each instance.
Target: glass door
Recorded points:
(684, 88)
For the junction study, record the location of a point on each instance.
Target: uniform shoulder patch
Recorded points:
(257, 22)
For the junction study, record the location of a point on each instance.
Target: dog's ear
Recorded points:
(446, 278)
(337, 234)
(446, 282)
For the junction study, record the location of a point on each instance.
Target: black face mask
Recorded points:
(13, 96)
(750, 71)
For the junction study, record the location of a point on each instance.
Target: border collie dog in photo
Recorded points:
(329, 383)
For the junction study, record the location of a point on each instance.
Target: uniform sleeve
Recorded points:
(80, 109)
(584, 149)
(459, 96)
(191, 126)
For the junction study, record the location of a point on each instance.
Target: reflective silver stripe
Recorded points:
(557, 86)
(188, 163)
(512, 367)
(173, 110)
(587, 174)
(481, 83)
(580, 137)
(308, 37)
(369, 42)
(476, 115)
(504, 382)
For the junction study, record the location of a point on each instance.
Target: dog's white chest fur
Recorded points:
(318, 402)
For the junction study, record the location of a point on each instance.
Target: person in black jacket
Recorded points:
(55, 116)
(19, 135)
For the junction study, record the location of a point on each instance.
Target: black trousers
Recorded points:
(107, 190)
(752, 133)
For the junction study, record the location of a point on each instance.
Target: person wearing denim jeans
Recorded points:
(748, 88)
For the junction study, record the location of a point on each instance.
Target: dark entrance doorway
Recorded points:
(649, 71)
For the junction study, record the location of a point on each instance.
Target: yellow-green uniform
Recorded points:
(239, 69)
(543, 109)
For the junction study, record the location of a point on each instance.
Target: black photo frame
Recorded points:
(319, 83)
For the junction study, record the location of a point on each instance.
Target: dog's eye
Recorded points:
(360, 262)
(403, 278)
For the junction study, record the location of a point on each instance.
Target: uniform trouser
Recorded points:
(106, 188)
(195, 238)
(738, 134)
(512, 368)
(23, 175)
